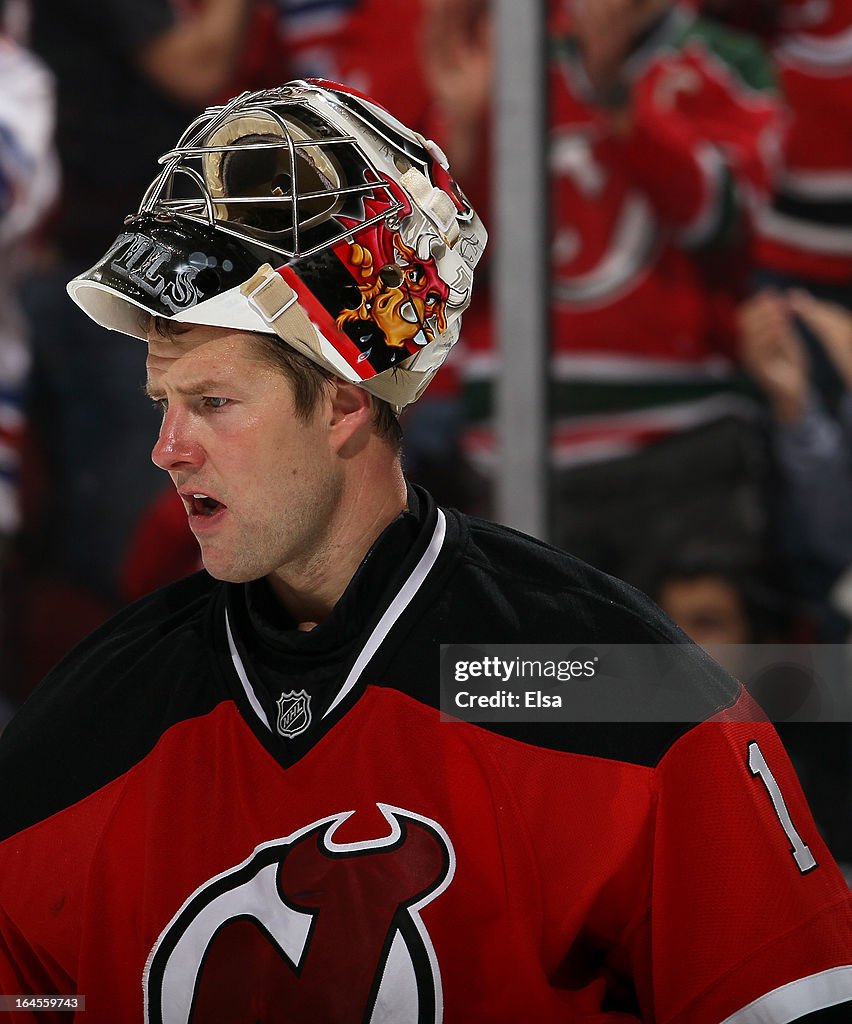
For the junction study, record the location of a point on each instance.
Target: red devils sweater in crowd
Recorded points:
(208, 816)
(808, 229)
(648, 253)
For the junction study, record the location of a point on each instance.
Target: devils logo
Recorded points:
(309, 930)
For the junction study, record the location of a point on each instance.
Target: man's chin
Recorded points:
(229, 573)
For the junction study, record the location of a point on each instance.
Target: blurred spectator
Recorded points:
(28, 182)
(804, 238)
(263, 60)
(162, 548)
(723, 601)
(663, 127)
(806, 235)
(799, 350)
(28, 185)
(717, 597)
(457, 44)
(369, 45)
(813, 448)
(455, 51)
(804, 248)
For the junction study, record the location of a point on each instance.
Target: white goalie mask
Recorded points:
(309, 212)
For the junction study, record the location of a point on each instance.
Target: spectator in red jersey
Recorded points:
(804, 239)
(370, 45)
(662, 131)
(457, 44)
(793, 343)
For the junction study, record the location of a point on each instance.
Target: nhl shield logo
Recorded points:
(294, 713)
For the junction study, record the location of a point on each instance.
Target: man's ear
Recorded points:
(351, 412)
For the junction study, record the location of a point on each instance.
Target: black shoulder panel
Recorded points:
(502, 587)
(103, 708)
(839, 1014)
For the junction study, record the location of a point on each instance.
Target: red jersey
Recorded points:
(208, 816)
(648, 238)
(808, 230)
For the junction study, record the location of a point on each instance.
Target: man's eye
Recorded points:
(214, 403)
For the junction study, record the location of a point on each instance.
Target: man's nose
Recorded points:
(176, 446)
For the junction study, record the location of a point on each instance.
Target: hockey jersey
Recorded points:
(207, 815)
(367, 44)
(807, 231)
(648, 241)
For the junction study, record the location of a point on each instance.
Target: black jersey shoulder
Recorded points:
(550, 595)
(103, 708)
(499, 586)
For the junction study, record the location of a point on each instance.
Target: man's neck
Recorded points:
(368, 506)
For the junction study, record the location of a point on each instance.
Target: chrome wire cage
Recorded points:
(332, 158)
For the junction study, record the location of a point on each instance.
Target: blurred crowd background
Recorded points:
(700, 229)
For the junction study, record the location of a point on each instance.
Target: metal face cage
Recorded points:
(271, 169)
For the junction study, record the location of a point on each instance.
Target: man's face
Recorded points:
(259, 484)
(707, 608)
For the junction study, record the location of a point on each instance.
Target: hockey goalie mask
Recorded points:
(309, 212)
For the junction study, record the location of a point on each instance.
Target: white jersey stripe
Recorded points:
(395, 609)
(592, 368)
(708, 217)
(241, 673)
(818, 53)
(829, 185)
(798, 998)
(817, 237)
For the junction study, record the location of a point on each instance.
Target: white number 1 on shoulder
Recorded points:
(802, 855)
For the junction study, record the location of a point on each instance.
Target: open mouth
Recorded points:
(203, 505)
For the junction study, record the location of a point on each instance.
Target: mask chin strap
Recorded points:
(275, 302)
(268, 294)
